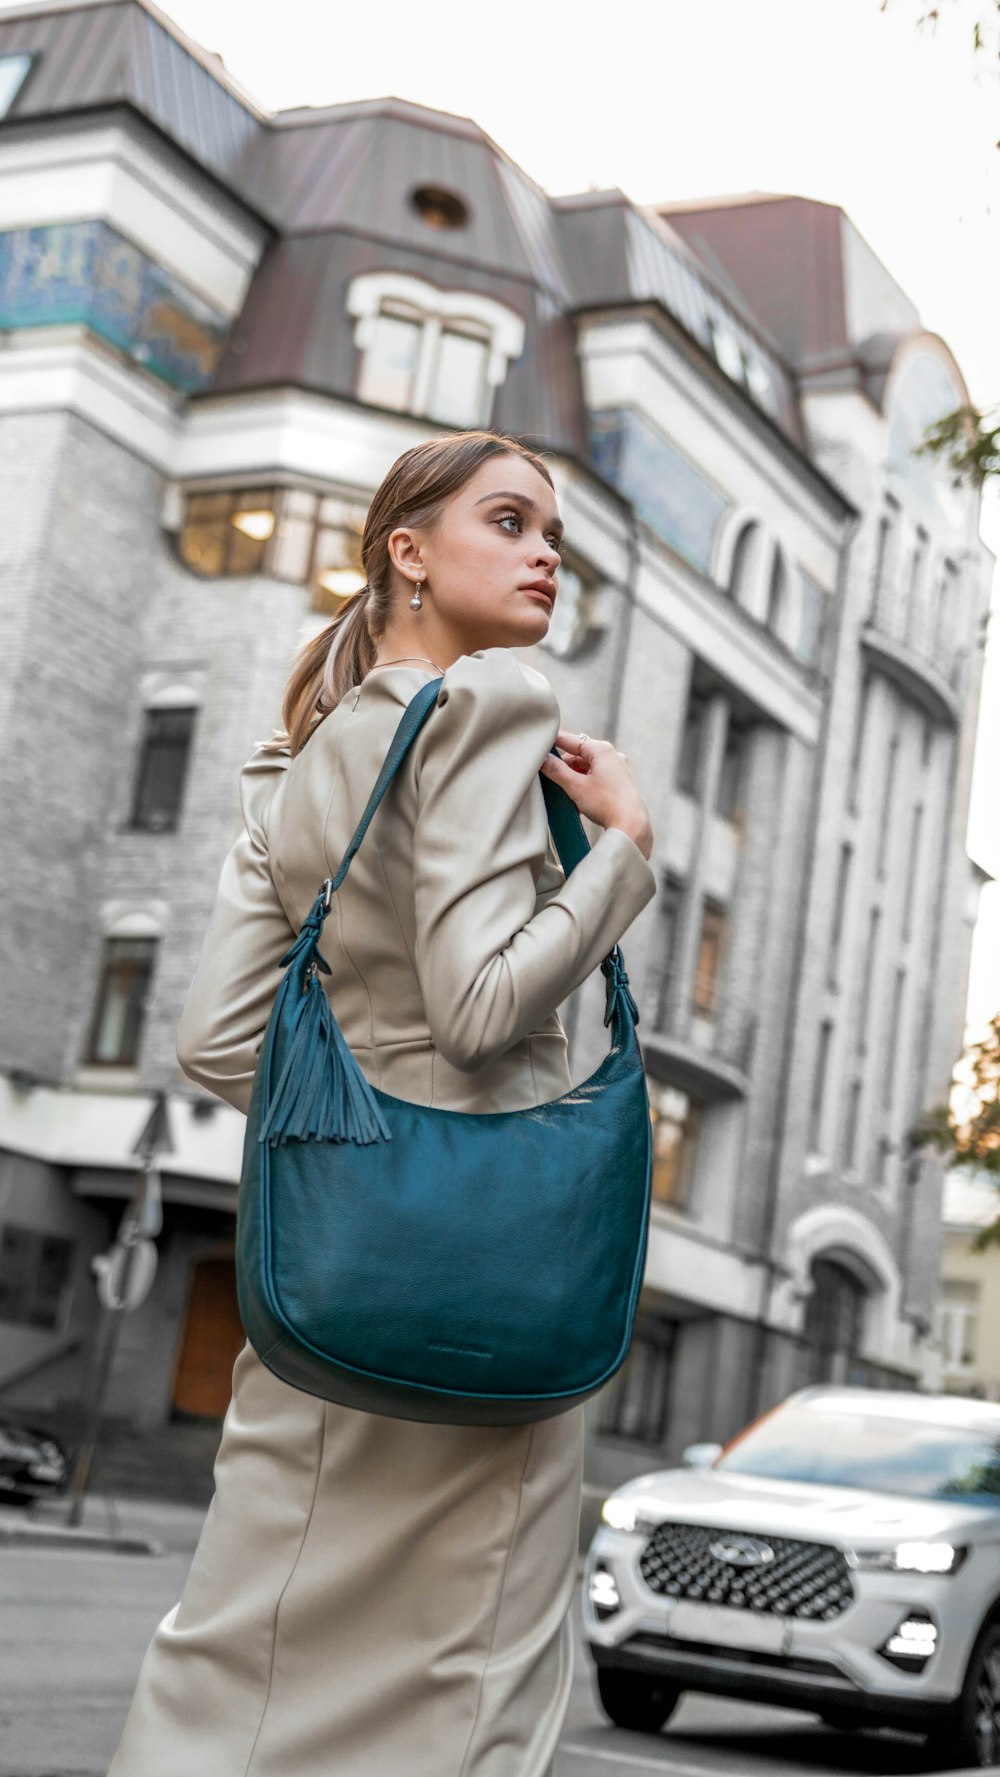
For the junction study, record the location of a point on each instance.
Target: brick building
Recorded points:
(220, 328)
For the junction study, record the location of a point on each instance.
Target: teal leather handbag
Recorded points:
(430, 1264)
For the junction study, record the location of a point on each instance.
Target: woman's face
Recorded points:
(489, 562)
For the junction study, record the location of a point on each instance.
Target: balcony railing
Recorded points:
(702, 1035)
(914, 640)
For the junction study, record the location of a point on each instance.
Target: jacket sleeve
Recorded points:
(491, 966)
(238, 973)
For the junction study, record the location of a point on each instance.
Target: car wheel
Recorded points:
(631, 1700)
(972, 1739)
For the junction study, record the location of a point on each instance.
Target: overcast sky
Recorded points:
(832, 99)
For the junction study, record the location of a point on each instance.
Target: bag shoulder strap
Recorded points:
(563, 816)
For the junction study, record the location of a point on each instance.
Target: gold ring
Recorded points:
(584, 737)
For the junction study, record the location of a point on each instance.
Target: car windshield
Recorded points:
(834, 1445)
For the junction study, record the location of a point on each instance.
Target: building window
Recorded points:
(744, 560)
(732, 772)
(839, 910)
(289, 533)
(14, 71)
(668, 904)
(164, 754)
(858, 749)
(817, 1102)
(892, 1040)
(958, 1323)
(573, 618)
(120, 1008)
(916, 625)
(35, 1270)
(777, 594)
(688, 774)
(711, 942)
(676, 1122)
(912, 868)
(438, 371)
(427, 351)
(812, 617)
(888, 797)
(439, 208)
(637, 1405)
(336, 571)
(667, 490)
(834, 1324)
(883, 1162)
(229, 533)
(881, 550)
(852, 1125)
(868, 977)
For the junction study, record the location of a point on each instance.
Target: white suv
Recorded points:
(842, 1555)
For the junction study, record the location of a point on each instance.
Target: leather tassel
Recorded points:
(613, 970)
(321, 1093)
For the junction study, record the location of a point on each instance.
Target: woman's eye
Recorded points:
(516, 516)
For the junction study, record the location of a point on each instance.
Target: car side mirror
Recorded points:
(700, 1455)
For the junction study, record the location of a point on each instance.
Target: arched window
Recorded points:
(777, 593)
(744, 557)
(834, 1323)
(439, 353)
(131, 940)
(164, 755)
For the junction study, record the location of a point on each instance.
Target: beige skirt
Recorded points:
(368, 1597)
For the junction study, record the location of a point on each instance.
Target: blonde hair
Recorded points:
(414, 492)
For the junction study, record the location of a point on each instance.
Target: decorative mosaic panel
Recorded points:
(665, 489)
(85, 272)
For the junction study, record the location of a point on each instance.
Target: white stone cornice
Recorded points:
(117, 174)
(290, 432)
(66, 369)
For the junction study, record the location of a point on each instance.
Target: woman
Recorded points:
(371, 1596)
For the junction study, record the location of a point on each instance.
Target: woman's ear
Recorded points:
(404, 550)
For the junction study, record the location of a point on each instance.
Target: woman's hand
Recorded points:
(599, 780)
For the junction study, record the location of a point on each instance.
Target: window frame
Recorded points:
(705, 1001)
(147, 741)
(689, 1127)
(656, 1334)
(30, 58)
(138, 972)
(29, 1271)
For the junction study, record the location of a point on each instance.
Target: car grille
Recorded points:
(799, 1580)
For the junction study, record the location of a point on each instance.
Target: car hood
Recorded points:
(845, 1516)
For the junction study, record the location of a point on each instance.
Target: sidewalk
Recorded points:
(125, 1526)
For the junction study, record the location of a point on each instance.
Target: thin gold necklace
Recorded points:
(403, 658)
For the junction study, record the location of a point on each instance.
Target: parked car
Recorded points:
(32, 1463)
(841, 1555)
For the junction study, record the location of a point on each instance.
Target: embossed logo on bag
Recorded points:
(458, 1350)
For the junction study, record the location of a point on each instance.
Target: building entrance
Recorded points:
(212, 1339)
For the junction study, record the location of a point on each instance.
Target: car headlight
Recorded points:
(619, 1514)
(629, 1514)
(915, 1557)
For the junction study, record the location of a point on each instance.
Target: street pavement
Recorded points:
(74, 1623)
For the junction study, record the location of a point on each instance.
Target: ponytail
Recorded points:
(323, 670)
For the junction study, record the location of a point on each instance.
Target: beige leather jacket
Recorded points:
(455, 935)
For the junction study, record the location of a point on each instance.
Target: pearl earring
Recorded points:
(416, 601)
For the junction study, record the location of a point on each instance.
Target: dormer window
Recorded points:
(14, 71)
(438, 353)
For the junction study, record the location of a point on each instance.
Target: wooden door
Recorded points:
(211, 1341)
